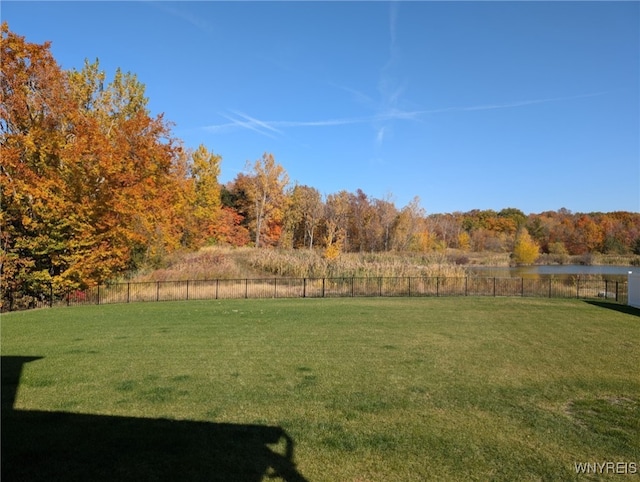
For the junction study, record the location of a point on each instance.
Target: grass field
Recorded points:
(368, 389)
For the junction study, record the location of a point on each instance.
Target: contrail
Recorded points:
(267, 127)
(250, 123)
(258, 122)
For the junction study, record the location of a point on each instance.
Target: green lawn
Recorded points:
(365, 389)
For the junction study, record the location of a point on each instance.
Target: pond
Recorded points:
(615, 273)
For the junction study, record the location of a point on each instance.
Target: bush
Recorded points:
(459, 259)
(587, 259)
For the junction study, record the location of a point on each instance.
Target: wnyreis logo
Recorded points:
(620, 468)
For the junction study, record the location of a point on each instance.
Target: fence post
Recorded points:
(380, 286)
(578, 288)
(98, 294)
(246, 288)
(550, 281)
(466, 282)
(352, 278)
(128, 292)
(217, 284)
(187, 290)
(409, 278)
(157, 290)
(323, 287)
(616, 291)
(494, 286)
(275, 287)
(522, 286)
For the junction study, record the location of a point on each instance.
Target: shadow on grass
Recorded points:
(629, 310)
(38, 445)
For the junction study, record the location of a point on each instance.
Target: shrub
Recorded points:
(331, 252)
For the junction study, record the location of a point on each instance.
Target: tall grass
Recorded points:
(213, 262)
(239, 263)
(220, 262)
(311, 264)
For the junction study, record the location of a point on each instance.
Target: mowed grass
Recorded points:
(375, 389)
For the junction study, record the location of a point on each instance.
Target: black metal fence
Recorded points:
(330, 288)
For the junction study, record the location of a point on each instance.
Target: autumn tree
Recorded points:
(525, 249)
(305, 212)
(619, 231)
(558, 253)
(408, 224)
(336, 219)
(585, 236)
(235, 195)
(265, 190)
(464, 241)
(386, 214)
(229, 228)
(121, 99)
(90, 182)
(363, 223)
(34, 129)
(142, 178)
(206, 204)
(446, 228)
(515, 217)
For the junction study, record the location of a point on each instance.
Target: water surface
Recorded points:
(556, 271)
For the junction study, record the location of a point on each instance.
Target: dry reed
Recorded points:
(239, 263)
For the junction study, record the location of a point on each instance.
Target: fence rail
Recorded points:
(330, 288)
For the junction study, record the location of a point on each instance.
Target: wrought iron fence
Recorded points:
(328, 288)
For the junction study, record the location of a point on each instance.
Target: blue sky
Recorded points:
(468, 105)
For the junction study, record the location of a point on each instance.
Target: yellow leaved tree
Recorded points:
(525, 249)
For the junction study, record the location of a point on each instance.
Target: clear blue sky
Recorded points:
(467, 105)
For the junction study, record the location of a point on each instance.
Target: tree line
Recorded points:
(95, 186)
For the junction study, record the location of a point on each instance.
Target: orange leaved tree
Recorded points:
(91, 183)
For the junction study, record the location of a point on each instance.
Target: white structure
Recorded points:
(634, 288)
